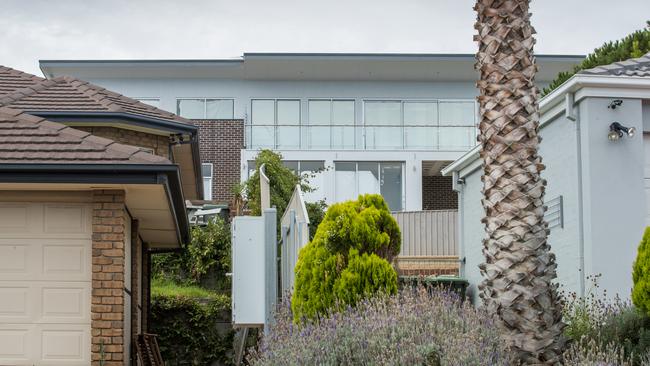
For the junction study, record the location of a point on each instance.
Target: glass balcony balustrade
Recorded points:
(346, 137)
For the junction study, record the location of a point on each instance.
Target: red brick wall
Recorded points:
(107, 310)
(437, 193)
(159, 144)
(220, 143)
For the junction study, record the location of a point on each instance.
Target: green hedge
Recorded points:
(192, 324)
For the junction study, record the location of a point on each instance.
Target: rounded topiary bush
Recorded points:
(641, 274)
(348, 258)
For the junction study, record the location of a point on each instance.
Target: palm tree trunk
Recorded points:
(519, 267)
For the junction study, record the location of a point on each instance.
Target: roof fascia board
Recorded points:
(583, 86)
(167, 175)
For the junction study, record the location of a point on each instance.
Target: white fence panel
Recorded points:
(295, 235)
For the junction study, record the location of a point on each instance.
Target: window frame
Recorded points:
(379, 178)
(210, 178)
(331, 101)
(205, 106)
(275, 124)
(436, 126)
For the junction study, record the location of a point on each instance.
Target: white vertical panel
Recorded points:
(248, 265)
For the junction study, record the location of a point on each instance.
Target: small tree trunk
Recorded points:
(519, 267)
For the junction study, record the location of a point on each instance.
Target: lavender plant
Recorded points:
(410, 328)
(604, 329)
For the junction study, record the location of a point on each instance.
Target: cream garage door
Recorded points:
(45, 281)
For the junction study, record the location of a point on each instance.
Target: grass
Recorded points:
(166, 288)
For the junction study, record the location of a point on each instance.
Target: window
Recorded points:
(331, 124)
(313, 170)
(207, 173)
(275, 124)
(205, 108)
(383, 120)
(457, 124)
(385, 178)
(154, 102)
(426, 125)
(420, 119)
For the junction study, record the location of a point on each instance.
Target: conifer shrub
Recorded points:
(641, 274)
(348, 258)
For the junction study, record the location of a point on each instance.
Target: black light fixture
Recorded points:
(615, 103)
(617, 130)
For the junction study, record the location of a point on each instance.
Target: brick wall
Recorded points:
(107, 310)
(437, 193)
(159, 144)
(220, 143)
(136, 290)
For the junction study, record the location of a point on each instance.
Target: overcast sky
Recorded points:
(150, 29)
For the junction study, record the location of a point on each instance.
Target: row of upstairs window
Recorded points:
(330, 123)
(387, 124)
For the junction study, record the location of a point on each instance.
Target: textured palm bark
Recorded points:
(519, 267)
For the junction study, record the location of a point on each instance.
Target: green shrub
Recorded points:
(348, 258)
(205, 260)
(641, 274)
(192, 324)
(634, 45)
(365, 275)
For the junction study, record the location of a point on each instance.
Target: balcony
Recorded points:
(368, 137)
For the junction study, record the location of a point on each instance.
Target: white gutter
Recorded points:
(579, 86)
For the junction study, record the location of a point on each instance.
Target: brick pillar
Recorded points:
(220, 143)
(136, 271)
(107, 311)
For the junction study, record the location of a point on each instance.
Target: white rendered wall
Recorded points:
(559, 154)
(614, 195)
(613, 198)
(242, 91)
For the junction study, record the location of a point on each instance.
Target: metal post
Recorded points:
(271, 265)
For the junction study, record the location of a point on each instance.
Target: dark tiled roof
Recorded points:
(67, 94)
(25, 138)
(12, 80)
(632, 67)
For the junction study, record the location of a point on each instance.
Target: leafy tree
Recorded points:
(349, 257)
(316, 213)
(641, 274)
(282, 182)
(209, 249)
(519, 267)
(207, 255)
(634, 45)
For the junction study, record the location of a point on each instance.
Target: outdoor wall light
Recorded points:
(615, 103)
(616, 131)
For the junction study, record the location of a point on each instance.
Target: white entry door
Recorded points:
(45, 283)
